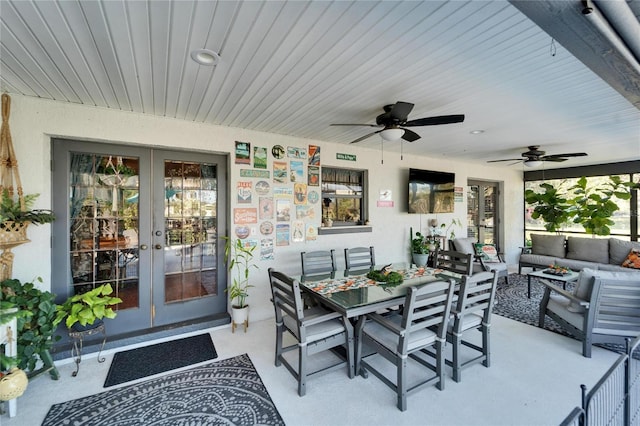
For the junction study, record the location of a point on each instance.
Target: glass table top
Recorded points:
(348, 290)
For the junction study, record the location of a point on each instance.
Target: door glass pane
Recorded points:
(472, 211)
(190, 228)
(489, 211)
(104, 225)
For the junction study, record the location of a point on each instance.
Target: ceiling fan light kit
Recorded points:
(394, 123)
(391, 135)
(533, 163)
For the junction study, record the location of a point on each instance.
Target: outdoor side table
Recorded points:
(78, 337)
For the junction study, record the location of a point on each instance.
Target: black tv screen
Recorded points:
(431, 191)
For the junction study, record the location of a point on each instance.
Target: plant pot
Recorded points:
(77, 327)
(13, 384)
(239, 316)
(420, 259)
(328, 223)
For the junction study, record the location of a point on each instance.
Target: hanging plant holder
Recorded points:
(12, 233)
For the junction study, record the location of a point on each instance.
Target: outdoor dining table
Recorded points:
(354, 295)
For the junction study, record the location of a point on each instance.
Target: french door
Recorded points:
(145, 221)
(482, 211)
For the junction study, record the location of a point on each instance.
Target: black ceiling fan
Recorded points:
(395, 118)
(534, 156)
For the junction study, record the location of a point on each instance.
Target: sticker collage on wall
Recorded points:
(282, 210)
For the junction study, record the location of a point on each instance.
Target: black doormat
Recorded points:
(149, 360)
(227, 392)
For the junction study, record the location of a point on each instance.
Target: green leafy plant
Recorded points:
(35, 330)
(551, 205)
(86, 308)
(9, 311)
(450, 231)
(420, 244)
(239, 259)
(594, 206)
(11, 210)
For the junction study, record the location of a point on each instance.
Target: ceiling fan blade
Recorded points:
(409, 135)
(365, 136)
(344, 124)
(554, 159)
(400, 111)
(571, 154)
(508, 159)
(432, 121)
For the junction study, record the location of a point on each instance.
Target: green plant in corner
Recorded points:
(35, 331)
(86, 308)
(9, 311)
(239, 259)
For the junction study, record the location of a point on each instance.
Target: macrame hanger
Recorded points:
(8, 160)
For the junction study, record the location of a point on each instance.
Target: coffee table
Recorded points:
(564, 279)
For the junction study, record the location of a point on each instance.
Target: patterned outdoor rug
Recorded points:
(513, 303)
(227, 392)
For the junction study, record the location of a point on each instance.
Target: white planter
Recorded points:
(239, 316)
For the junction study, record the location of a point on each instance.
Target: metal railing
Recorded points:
(615, 399)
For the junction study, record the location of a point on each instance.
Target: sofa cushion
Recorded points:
(632, 260)
(616, 268)
(579, 265)
(465, 245)
(589, 249)
(549, 245)
(619, 250)
(537, 259)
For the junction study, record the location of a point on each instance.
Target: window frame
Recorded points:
(363, 197)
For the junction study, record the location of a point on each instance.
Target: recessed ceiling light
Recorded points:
(205, 57)
(476, 132)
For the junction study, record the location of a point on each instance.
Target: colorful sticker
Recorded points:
(243, 152)
(262, 187)
(260, 157)
(278, 151)
(266, 228)
(313, 197)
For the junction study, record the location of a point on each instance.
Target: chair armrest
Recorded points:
(383, 321)
(317, 319)
(564, 293)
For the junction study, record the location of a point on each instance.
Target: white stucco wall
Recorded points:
(34, 121)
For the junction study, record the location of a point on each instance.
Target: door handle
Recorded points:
(144, 247)
(157, 246)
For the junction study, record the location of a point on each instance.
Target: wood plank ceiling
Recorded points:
(295, 67)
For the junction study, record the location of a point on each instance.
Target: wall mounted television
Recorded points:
(431, 191)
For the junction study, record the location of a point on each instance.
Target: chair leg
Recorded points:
(486, 349)
(302, 370)
(278, 344)
(440, 362)
(506, 279)
(456, 346)
(586, 347)
(401, 385)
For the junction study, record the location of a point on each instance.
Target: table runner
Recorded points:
(334, 285)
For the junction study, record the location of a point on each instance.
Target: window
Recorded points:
(343, 196)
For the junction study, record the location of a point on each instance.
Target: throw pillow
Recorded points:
(487, 253)
(548, 245)
(583, 289)
(633, 259)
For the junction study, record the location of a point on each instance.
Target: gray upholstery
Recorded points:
(396, 337)
(472, 311)
(359, 258)
(619, 250)
(589, 249)
(592, 253)
(549, 245)
(314, 330)
(609, 313)
(466, 245)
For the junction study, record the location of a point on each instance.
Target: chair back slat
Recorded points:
(617, 307)
(477, 294)
(426, 307)
(287, 299)
(318, 262)
(455, 261)
(359, 258)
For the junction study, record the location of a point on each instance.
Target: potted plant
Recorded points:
(86, 310)
(35, 334)
(420, 248)
(239, 260)
(16, 215)
(551, 205)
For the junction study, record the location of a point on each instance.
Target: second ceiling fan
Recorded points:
(394, 123)
(535, 157)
